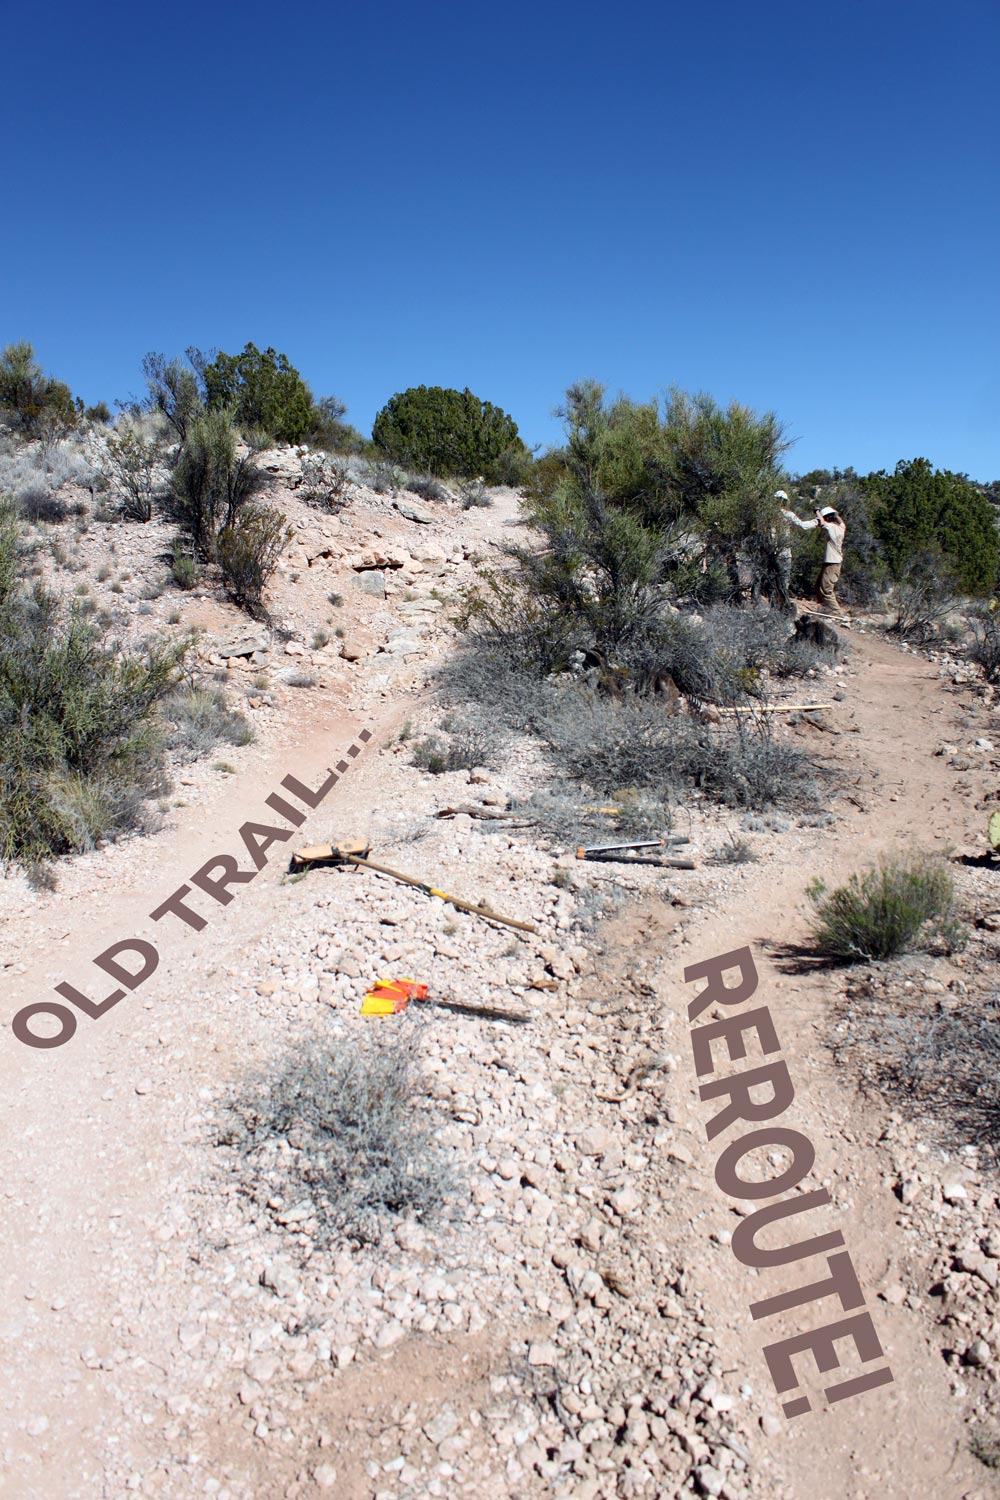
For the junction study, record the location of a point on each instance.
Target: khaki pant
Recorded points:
(826, 585)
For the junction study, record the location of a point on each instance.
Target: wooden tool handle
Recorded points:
(429, 890)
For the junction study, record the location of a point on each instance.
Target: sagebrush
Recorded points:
(198, 717)
(341, 1127)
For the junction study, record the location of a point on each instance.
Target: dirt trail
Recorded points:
(90, 1145)
(905, 1438)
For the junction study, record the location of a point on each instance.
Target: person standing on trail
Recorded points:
(827, 520)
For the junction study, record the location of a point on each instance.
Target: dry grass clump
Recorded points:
(935, 1057)
(339, 1126)
(198, 718)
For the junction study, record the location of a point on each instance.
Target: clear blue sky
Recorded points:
(794, 205)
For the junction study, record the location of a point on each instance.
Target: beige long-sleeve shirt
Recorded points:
(835, 532)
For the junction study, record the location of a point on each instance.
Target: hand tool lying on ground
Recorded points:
(390, 997)
(354, 852)
(621, 852)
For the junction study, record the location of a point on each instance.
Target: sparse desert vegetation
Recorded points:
(599, 656)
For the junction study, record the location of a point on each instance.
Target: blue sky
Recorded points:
(793, 205)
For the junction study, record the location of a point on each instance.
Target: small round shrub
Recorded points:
(899, 906)
(184, 570)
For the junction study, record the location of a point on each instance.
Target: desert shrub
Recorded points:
(701, 656)
(183, 569)
(474, 495)
(99, 805)
(339, 1125)
(643, 507)
(610, 746)
(79, 748)
(755, 768)
(748, 641)
(899, 906)
(198, 718)
(384, 478)
(30, 401)
(175, 390)
(214, 478)
(34, 473)
(129, 466)
(985, 648)
(509, 627)
(10, 553)
(514, 467)
(99, 413)
(324, 483)
(446, 432)
(513, 698)
(248, 551)
(262, 391)
(800, 657)
(426, 486)
(634, 743)
(924, 595)
(548, 472)
(328, 430)
(469, 745)
(38, 504)
(735, 851)
(430, 754)
(697, 479)
(918, 508)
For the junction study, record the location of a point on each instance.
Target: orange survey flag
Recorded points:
(388, 997)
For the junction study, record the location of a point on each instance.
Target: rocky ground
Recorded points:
(575, 1325)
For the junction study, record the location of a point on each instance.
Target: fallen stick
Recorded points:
(776, 708)
(478, 812)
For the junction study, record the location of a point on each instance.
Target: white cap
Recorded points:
(828, 510)
(780, 495)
